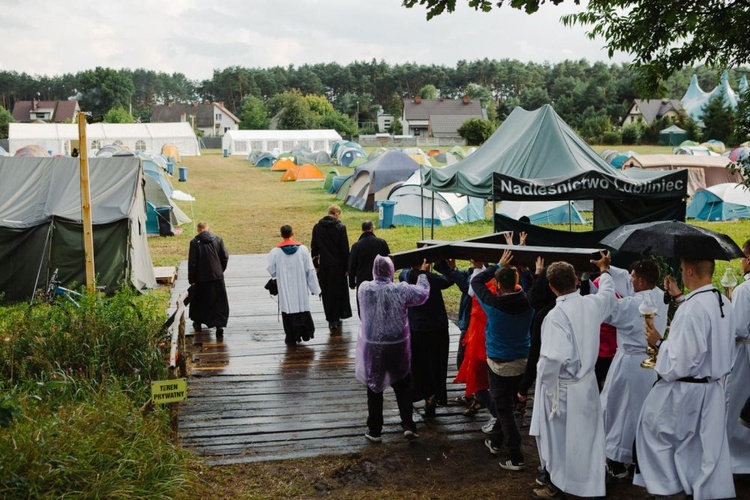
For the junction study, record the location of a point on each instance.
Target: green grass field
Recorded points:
(246, 205)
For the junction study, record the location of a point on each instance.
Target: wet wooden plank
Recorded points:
(252, 398)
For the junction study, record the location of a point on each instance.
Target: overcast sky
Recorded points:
(52, 37)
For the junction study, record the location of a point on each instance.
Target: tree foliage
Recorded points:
(118, 114)
(476, 130)
(662, 36)
(5, 119)
(718, 120)
(104, 89)
(254, 114)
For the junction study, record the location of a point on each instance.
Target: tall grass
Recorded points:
(73, 380)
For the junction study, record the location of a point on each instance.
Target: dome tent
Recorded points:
(542, 212)
(449, 208)
(374, 180)
(728, 201)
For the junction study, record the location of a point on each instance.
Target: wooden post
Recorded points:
(88, 229)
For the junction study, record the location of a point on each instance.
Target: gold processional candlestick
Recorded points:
(650, 361)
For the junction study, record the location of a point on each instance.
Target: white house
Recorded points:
(241, 142)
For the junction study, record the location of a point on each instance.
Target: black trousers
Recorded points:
(503, 393)
(402, 388)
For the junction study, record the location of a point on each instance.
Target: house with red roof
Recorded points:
(46, 111)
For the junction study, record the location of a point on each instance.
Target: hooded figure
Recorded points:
(207, 261)
(383, 355)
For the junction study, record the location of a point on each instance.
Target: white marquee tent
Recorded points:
(61, 138)
(242, 142)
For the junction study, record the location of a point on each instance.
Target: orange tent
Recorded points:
(290, 174)
(282, 164)
(309, 172)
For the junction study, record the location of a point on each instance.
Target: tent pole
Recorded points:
(421, 199)
(88, 230)
(570, 216)
(432, 218)
(494, 210)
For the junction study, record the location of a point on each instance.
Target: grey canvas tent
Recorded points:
(374, 179)
(536, 156)
(41, 229)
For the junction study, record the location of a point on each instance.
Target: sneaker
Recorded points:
(196, 326)
(410, 434)
(493, 449)
(511, 464)
(542, 477)
(489, 427)
(465, 401)
(617, 470)
(548, 491)
(373, 437)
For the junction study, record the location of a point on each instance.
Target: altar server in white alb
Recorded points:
(681, 439)
(627, 384)
(292, 266)
(738, 382)
(567, 418)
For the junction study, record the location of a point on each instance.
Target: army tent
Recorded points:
(413, 203)
(374, 180)
(41, 228)
(727, 201)
(536, 156)
(703, 171)
(672, 136)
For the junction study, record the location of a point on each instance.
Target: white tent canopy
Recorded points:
(242, 142)
(61, 138)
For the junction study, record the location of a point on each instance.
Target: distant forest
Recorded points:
(578, 90)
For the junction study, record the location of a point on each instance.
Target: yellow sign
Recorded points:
(169, 391)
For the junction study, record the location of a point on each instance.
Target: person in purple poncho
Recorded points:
(383, 354)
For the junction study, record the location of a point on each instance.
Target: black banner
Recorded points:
(590, 185)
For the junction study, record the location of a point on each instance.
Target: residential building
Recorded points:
(46, 111)
(647, 111)
(213, 119)
(438, 117)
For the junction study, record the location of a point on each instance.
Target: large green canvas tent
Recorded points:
(41, 228)
(672, 136)
(536, 156)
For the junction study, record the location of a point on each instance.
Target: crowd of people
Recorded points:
(678, 429)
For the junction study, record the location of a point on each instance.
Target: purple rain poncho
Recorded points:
(383, 352)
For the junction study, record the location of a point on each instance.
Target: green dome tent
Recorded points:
(672, 136)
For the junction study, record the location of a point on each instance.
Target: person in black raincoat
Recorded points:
(363, 255)
(207, 261)
(330, 254)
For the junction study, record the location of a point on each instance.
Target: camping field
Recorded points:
(70, 419)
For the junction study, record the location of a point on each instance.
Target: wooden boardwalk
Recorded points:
(251, 398)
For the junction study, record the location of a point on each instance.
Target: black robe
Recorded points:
(207, 262)
(330, 253)
(430, 339)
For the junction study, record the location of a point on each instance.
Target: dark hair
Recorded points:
(507, 277)
(648, 270)
(286, 231)
(525, 219)
(367, 226)
(540, 294)
(701, 267)
(562, 276)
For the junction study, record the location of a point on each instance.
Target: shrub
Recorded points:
(631, 134)
(476, 130)
(611, 137)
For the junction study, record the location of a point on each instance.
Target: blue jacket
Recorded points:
(508, 319)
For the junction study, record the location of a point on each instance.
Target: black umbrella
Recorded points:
(673, 239)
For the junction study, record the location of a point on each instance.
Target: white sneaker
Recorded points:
(489, 426)
(409, 434)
